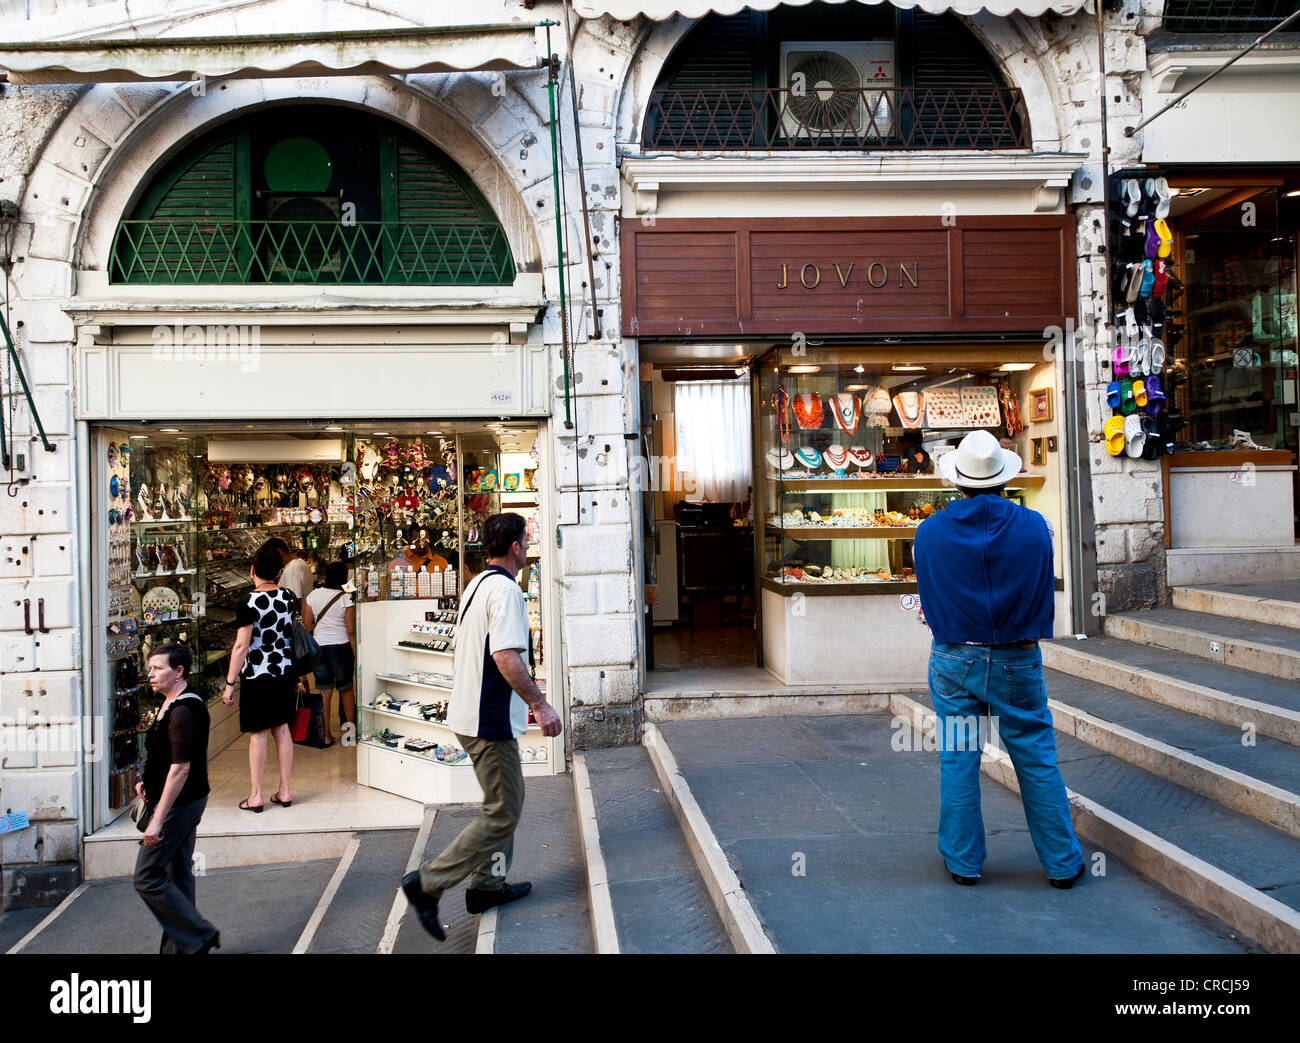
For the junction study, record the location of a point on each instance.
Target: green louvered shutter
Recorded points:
(950, 65)
(716, 109)
(440, 228)
(191, 209)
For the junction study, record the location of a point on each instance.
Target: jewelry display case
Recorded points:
(846, 444)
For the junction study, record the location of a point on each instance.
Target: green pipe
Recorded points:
(559, 227)
(27, 391)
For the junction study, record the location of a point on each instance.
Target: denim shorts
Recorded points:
(335, 667)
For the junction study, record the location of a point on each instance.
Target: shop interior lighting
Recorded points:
(908, 368)
(333, 427)
(1293, 193)
(804, 369)
(859, 368)
(856, 387)
(169, 430)
(1015, 367)
(378, 433)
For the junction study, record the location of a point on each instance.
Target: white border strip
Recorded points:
(58, 911)
(599, 900)
(327, 896)
(738, 917)
(398, 911)
(1254, 913)
(487, 932)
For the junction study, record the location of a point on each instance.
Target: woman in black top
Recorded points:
(263, 660)
(175, 788)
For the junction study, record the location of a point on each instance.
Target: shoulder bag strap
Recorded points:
(327, 607)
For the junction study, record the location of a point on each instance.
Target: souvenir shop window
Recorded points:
(847, 451)
(1234, 380)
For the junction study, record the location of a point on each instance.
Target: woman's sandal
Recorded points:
(275, 799)
(245, 806)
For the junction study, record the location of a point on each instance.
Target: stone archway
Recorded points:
(1011, 47)
(115, 136)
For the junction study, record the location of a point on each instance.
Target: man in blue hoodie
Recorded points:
(984, 572)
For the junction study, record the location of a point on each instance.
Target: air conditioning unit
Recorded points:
(310, 246)
(829, 89)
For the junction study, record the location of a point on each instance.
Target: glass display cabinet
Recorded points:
(845, 462)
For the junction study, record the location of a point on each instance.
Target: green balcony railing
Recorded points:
(216, 250)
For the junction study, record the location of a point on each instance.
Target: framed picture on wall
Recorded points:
(1038, 452)
(1040, 405)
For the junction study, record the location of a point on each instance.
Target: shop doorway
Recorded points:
(391, 509)
(698, 527)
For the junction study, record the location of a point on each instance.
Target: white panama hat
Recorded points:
(979, 462)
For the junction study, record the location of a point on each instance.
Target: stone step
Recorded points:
(1261, 779)
(1239, 698)
(1259, 647)
(1229, 864)
(659, 901)
(829, 824)
(554, 918)
(1266, 601)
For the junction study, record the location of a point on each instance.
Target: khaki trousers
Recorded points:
(485, 847)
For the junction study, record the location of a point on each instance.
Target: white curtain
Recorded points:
(713, 438)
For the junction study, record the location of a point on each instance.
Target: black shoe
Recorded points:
(1068, 882)
(478, 901)
(965, 881)
(426, 908)
(212, 943)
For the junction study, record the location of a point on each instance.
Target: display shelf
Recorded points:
(407, 717)
(401, 751)
(888, 485)
(863, 532)
(839, 587)
(421, 651)
(537, 728)
(163, 521)
(415, 684)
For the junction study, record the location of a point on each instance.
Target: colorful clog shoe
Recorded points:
(1127, 404)
(1135, 438)
(1114, 432)
(1155, 395)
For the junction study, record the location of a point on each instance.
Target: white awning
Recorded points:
(350, 52)
(659, 10)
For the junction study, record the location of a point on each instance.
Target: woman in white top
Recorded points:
(331, 617)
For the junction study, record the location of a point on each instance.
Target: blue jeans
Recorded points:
(967, 681)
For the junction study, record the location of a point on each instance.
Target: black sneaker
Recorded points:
(478, 901)
(1068, 882)
(965, 881)
(426, 908)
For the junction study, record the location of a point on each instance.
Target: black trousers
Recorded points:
(164, 878)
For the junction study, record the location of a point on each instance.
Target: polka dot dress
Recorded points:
(267, 683)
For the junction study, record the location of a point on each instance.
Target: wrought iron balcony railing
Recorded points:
(856, 119)
(216, 250)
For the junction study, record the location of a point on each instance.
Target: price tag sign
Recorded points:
(15, 820)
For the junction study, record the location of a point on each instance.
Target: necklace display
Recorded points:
(808, 411)
(847, 410)
(911, 407)
(837, 456)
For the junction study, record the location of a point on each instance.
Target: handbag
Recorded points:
(301, 720)
(142, 813)
(303, 647)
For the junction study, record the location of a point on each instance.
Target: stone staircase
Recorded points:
(1182, 725)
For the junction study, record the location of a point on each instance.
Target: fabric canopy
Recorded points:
(658, 10)
(457, 49)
